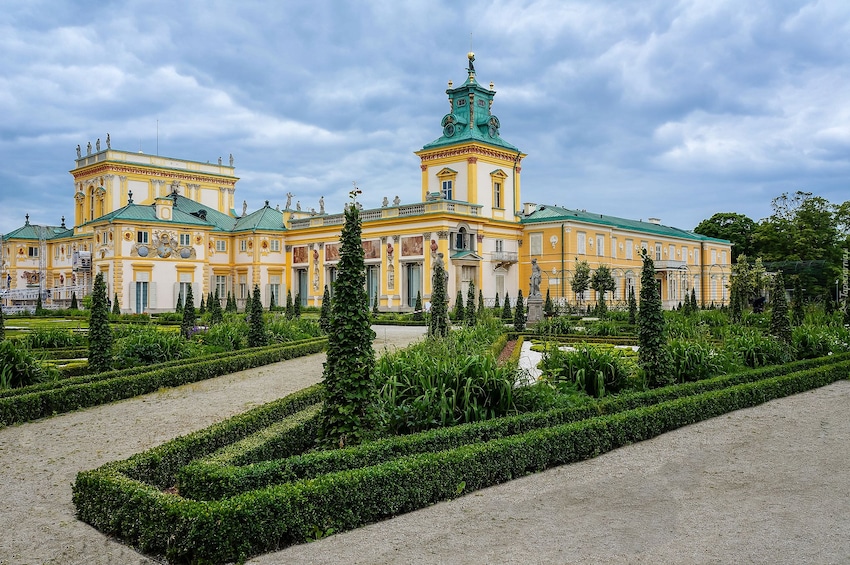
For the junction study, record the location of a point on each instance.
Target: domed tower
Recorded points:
(470, 162)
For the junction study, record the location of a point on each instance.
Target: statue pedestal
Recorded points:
(535, 309)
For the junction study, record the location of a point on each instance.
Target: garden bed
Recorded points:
(127, 499)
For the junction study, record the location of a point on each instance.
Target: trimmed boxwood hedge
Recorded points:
(125, 499)
(31, 403)
(215, 478)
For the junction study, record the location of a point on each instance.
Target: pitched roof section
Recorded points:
(29, 231)
(549, 213)
(266, 218)
(220, 221)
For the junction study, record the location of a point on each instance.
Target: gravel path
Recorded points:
(769, 484)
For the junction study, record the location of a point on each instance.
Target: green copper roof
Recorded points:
(29, 231)
(221, 222)
(549, 213)
(265, 218)
(470, 118)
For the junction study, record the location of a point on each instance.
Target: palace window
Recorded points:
(243, 245)
(33, 251)
(535, 243)
(141, 236)
(498, 177)
(630, 246)
(600, 245)
(221, 286)
(614, 247)
(581, 243)
(500, 245)
(275, 245)
(185, 239)
(221, 245)
(446, 178)
(658, 252)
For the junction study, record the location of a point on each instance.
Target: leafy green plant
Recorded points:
(757, 350)
(652, 354)
(593, 369)
(693, 360)
(507, 315)
(438, 324)
(226, 336)
(19, 367)
(43, 337)
(256, 325)
(780, 325)
(325, 313)
(519, 313)
(469, 311)
(148, 345)
(189, 315)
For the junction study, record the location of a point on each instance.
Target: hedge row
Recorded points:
(61, 353)
(211, 479)
(268, 519)
(68, 397)
(580, 338)
(106, 375)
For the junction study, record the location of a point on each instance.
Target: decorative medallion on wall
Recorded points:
(31, 277)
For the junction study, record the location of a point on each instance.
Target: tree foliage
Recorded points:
(348, 412)
(2, 324)
(458, 314)
(74, 305)
(797, 313)
(289, 310)
(116, 307)
(214, 306)
(737, 228)
(602, 281)
(580, 280)
(417, 308)
(100, 333)
(548, 305)
(652, 356)
(507, 315)
(633, 309)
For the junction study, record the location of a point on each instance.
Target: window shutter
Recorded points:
(196, 292)
(152, 296)
(176, 293)
(132, 293)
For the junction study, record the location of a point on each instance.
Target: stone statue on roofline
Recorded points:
(108, 141)
(289, 196)
(79, 152)
(97, 145)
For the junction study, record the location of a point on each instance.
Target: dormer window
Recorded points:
(447, 178)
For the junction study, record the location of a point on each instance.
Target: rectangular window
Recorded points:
(141, 236)
(56, 251)
(535, 241)
(722, 257)
(220, 245)
(243, 245)
(275, 245)
(185, 239)
(274, 289)
(447, 189)
(684, 252)
(497, 195)
(630, 246)
(600, 245)
(696, 256)
(713, 257)
(221, 286)
(243, 286)
(658, 252)
(581, 243)
(183, 293)
(614, 247)
(671, 252)
(33, 251)
(500, 246)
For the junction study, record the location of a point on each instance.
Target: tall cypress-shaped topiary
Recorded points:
(290, 313)
(348, 412)
(438, 326)
(497, 306)
(256, 325)
(202, 308)
(519, 313)
(39, 309)
(116, 308)
(216, 315)
(458, 313)
(249, 306)
(100, 333)
(632, 307)
(325, 312)
(210, 303)
(694, 305)
(296, 306)
(272, 304)
(469, 312)
(797, 313)
(480, 302)
(230, 304)
(179, 308)
(650, 321)
(780, 325)
(507, 316)
(548, 305)
(74, 305)
(417, 309)
(2, 324)
(189, 316)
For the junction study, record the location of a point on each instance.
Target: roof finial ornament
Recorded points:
(28, 220)
(471, 68)
(129, 197)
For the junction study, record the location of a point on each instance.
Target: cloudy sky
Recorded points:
(648, 108)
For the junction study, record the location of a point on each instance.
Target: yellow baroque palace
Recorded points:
(155, 225)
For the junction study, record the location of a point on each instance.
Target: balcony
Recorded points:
(504, 256)
(431, 207)
(668, 265)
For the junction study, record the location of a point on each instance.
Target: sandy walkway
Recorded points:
(768, 485)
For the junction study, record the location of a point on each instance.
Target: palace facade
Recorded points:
(156, 225)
